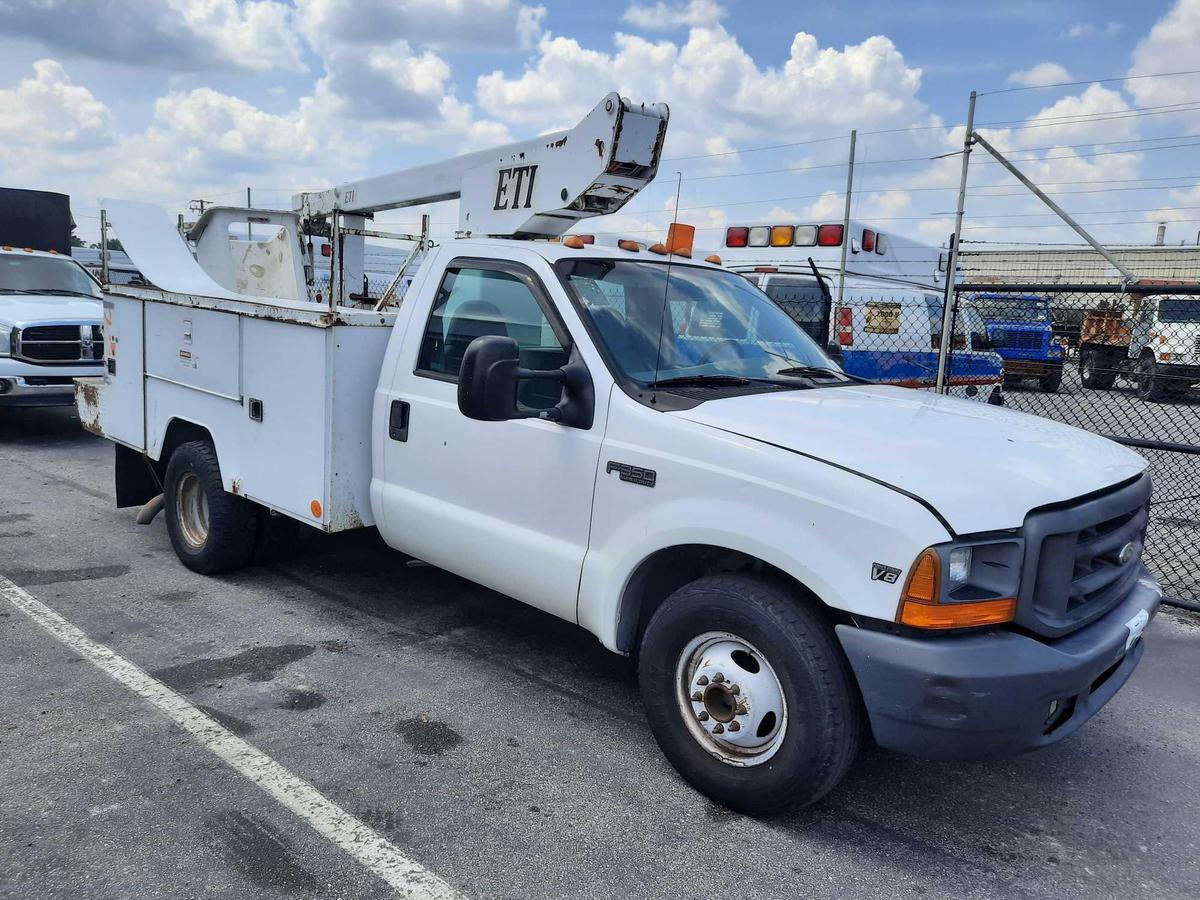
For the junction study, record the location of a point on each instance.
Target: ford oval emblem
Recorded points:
(1128, 552)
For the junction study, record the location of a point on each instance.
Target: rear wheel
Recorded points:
(211, 530)
(1051, 381)
(1151, 384)
(1095, 369)
(748, 694)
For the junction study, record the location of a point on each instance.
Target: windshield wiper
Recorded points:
(811, 370)
(702, 380)
(822, 371)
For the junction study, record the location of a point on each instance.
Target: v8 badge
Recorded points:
(880, 572)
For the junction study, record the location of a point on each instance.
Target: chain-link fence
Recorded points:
(1121, 361)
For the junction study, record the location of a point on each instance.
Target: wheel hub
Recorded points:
(731, 699)
(191, 505)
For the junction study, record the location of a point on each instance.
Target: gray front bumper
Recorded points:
(15, 390)
(989, 694)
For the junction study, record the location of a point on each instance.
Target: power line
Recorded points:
(1012, 124)
(1038, 87)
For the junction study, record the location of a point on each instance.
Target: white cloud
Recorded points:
(386, 82)
(1090, 29)
(1056, 125)
(715, 88)
(1170, 47)
(48, 110)
(184, 35)
(663, 16)
(1039, 75)
(485, 24)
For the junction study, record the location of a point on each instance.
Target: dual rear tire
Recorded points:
(212, 530)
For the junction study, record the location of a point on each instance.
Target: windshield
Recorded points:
(717, 323)
(1014, 309)
(44, 275)
(1179, 309)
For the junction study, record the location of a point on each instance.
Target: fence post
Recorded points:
(947, 344)
(846, 220)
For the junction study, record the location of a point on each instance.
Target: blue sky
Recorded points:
(169, 100)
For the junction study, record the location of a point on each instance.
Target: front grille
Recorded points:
(1073, 571)
(1021, 340)
(62, 344)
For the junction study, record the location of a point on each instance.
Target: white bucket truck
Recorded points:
(644, 444)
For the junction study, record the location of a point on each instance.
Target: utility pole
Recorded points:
(947, 345)
(846, 221)
(249, 205)
(103, 246)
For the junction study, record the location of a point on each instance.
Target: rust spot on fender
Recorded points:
(87, 402)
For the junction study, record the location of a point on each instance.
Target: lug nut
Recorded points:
(734, 726)
(697, 696)
(718, 728)
(702, 680)
(718, 678)
(743, 710)
(734, 689)
(702, 716)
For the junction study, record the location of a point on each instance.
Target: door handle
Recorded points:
(398, 420)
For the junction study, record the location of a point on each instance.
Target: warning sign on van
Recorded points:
(883, 318)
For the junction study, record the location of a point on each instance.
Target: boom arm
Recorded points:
(534, 188)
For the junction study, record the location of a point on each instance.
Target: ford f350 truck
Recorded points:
(639, 442)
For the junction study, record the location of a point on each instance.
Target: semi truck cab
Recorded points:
(1020, 329)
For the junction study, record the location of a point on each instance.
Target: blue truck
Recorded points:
(1020, 330)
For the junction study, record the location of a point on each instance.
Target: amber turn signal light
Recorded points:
(919, 606)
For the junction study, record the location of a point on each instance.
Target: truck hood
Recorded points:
(36, 309)
(981, 467)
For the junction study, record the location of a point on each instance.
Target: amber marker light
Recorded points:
(574, 241)
(920, 606)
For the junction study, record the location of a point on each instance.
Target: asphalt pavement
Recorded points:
(504, 751)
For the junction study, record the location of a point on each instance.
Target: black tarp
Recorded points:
(37, 219)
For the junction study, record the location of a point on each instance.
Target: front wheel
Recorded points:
(1051, 381)
(748, 693)
(1151, 384)
(1096, 370)
(211, 530)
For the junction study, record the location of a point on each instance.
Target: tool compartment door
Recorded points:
(120, 406)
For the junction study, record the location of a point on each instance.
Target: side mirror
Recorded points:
(491, 373)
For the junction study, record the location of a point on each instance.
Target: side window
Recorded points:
(472, 303)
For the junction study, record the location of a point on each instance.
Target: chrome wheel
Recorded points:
(731, 699)
(191, 505)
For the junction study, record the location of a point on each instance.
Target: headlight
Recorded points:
(5, 342)
(959, 569)
(965, 584)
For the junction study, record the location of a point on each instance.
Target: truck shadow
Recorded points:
(40, 427)
(1002, 821)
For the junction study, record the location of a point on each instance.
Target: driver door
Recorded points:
(506, 504)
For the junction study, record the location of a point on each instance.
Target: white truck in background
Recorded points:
(50, 318)
(641, 443)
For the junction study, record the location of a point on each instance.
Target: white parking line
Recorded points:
(366, 845)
